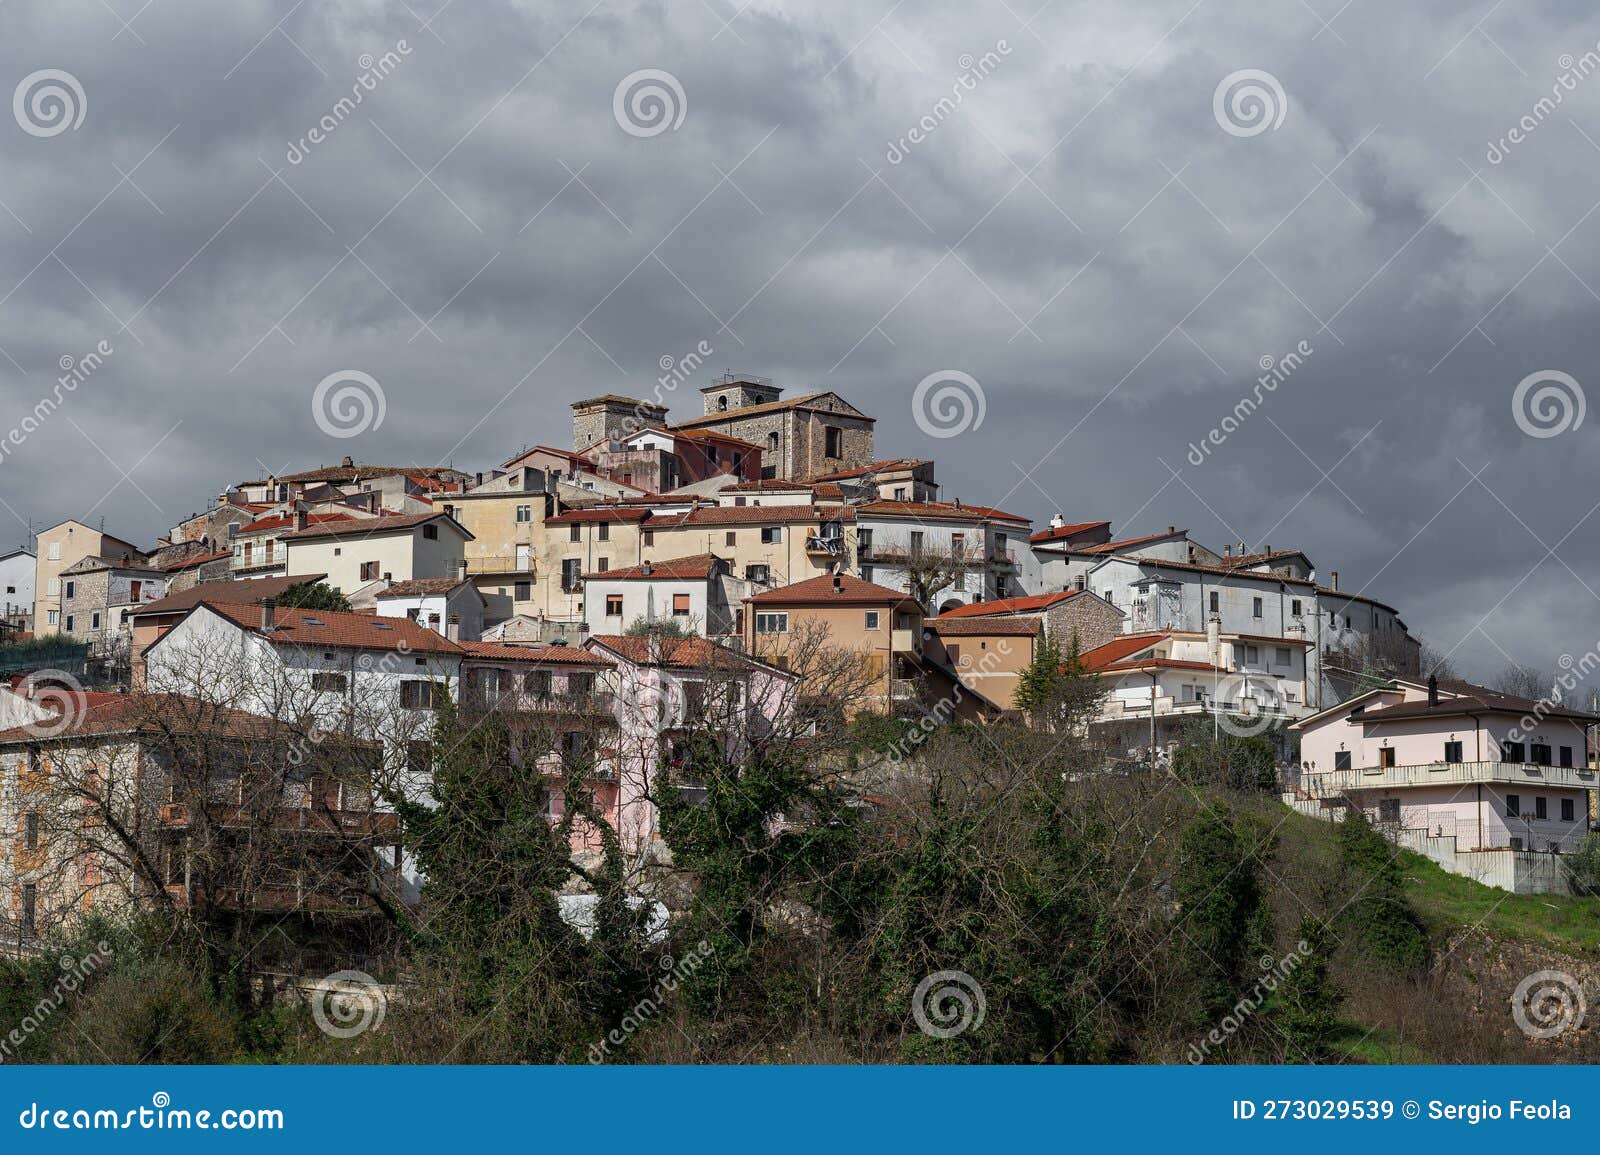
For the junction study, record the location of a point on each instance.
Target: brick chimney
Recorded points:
(347, 463)
(838, 584)
(300, 519)
(1333, 580)
(1433, 690)
(452, 628)
(269, 613)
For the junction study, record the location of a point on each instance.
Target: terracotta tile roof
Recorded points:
(983, 627)
(1157, 664)
(823, 591)
(598, 514)
(196, 560)
(1463, 698)
(696, 567)
(287, 521)
(1120, 648)
(939, 510)
(421, 587)
(90, 714)
(329, 629)
(1030, 603)
(1055, 533)
(543, 654)
(616, 399)
(1221, 571)
(572, 458)
(801, 402)
(692, 653)
(351, 472)
(360, 529)
(1114, 546)
(768, 485)
(698, 435)
(750, 515)
(244, 592)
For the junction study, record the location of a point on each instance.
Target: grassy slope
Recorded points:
(1447, 901)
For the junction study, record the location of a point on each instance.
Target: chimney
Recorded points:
(299, 519)
(452, 628)
(647, 569)
(479, 476)
(347, 463)
(1214, 639)
(1333, 580)
(956, 503)
(1227, 550)
(461, 570)
(1057, 521)
(269, 613)
(1172, 529)
(838, 584)
(1433, 689)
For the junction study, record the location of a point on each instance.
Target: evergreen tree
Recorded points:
(314, 596)
(1378, 918)
(1218, 886)
(1306, 1009)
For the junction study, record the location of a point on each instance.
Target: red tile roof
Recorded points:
(823, 591)
(983, 627)
(287, 521)
(607, 513)
(542, 654)
(802, 402)
(361, 528)
(1055, 533)
(81, 714)
(1031, 603)
(939, 510)
(750, 515)
(697, 567)
(192, 561)
(1114, 546)
(326, 628)
(1120, 648)
(892, 463)
(421, 587)
(692, 653)
(244, 592)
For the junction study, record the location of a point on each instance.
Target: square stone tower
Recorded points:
(611, 415)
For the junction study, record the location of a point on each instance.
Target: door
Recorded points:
(524, 558)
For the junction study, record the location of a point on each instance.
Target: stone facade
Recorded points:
(610, 416)
(1086, 619)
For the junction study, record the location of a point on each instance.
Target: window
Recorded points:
(1216, 602)
(649, 537)
(1540, 807)
(54, 587)
(431, 532)
(916, 540)
(575, 533)
(1513, 806)
(1566, 810)
(536, 683)
(1252, 655)
(521, 591)
(30, 830)
(94, 620)
(730, 538)
(680, 605)
(416, 694)
(872, 620)
(580, 684)
(369, 571)
(1341, 760)
(722, 403)
(571, 569)
(69, 623)
(1255, 607)
(1566, 755)
(1294, 607)
(328, 681)
(524, 513)
(772, 623)
(833, 441)
(1389, 810)
(613, 605)
(772, 446)
(71, 586)
(954, 653)
(866, 573)
(757, 573)
(602, 564)
(53, 616)
(55, 551)
(771, 534)
(1540, 754)
(1512, 752)
(30, 891)
(1280, 655)
(1452, 751)
(1386, 756)
(711, 454)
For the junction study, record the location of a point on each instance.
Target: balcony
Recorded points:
(1003, 555)
(597, 703)
(500, 564)
(830, 546)
(1321, 783)
(905, 641)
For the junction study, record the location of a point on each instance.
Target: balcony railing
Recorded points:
(831, 546)
(500, 563)
(1321, 783)
(905, 641)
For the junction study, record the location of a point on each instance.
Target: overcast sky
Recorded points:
(1097, 225)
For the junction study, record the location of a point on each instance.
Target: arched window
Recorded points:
(722, 403)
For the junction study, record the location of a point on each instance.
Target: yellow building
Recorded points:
(62, 546)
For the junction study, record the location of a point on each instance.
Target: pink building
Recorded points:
(1486, 784)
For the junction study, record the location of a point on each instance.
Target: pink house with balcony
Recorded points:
(1488, 785)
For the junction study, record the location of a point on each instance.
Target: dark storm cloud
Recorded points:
(1076, 231)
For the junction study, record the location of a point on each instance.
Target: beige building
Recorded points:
(773, 545)
(792, 624)
(506, 518)
(60, 547)
(988, 654)
(354, 554)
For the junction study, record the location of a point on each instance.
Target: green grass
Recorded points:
(1354, 1043)
(1446, 901)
